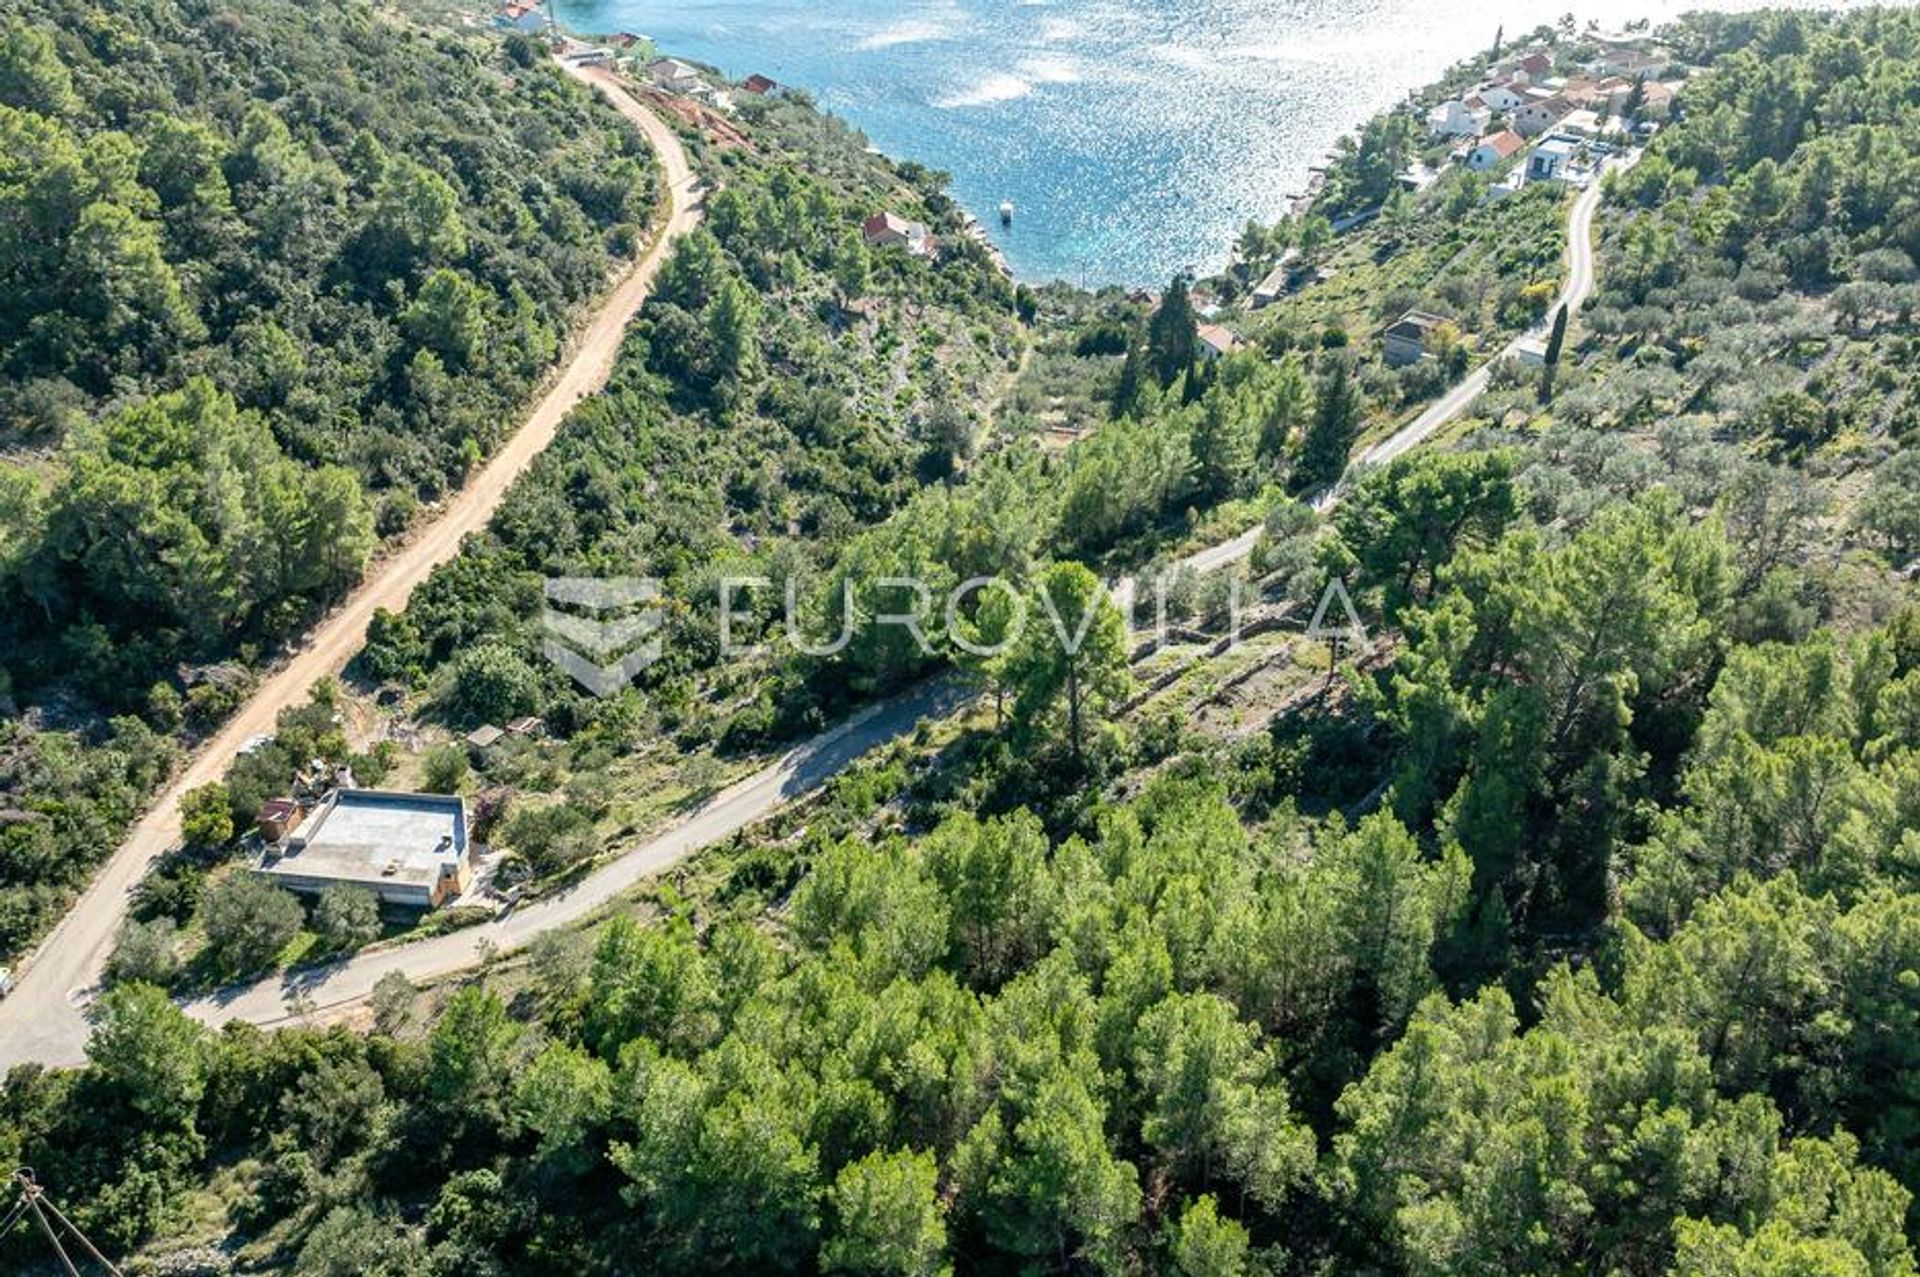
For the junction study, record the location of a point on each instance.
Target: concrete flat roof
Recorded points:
(376, 838)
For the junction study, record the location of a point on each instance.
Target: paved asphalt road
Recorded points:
(1579, 287)
(43, 1018)
(41, 1022)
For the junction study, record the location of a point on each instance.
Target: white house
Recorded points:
(1552, 160)
(675, 76)
(1582, 123)
(1502, 97)
(407, 849)
(1494, 150)
(1635, 63)
(1460, 117)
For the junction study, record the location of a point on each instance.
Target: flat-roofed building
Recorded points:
(408, 849)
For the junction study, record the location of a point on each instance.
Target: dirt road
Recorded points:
(43, 1018)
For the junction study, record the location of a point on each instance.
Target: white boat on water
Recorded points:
(1006, 212)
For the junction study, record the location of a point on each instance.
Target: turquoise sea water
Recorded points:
(1134, 139)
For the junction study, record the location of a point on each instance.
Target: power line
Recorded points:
(34, 1201)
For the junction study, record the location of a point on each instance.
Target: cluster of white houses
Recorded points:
(1566, 120)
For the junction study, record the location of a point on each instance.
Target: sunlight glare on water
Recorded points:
(1134, 139)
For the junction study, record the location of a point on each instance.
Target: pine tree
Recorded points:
(1222, 449)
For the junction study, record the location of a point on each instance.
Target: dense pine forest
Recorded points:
(1571, 925)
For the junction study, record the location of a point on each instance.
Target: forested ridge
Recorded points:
(272, 277)
(1571, 927)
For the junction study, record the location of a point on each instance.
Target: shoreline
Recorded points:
(1186, 196)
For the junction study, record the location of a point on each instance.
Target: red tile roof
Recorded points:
(1503, 143)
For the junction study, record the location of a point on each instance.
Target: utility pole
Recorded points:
(33, 1201)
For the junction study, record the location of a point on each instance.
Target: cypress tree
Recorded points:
(1556, 339)
(1172, 333)
(1331, 432)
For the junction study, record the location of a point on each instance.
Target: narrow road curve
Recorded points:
(43, 1018)
(1573, 295)
(317, 991)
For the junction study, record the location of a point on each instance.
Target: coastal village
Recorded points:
(1619, 97)
(1555, 108)
(1549, 114)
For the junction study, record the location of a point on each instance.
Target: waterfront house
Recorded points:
(890, 230)
(1532, 67)
(1637, 64)
(1278, 282)
(1404, 341)
(759, 85)
(1459, 117)
(675, 76)
(1494, 150)
(1503, 96)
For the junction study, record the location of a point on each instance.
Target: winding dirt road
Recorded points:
(43, 1019)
